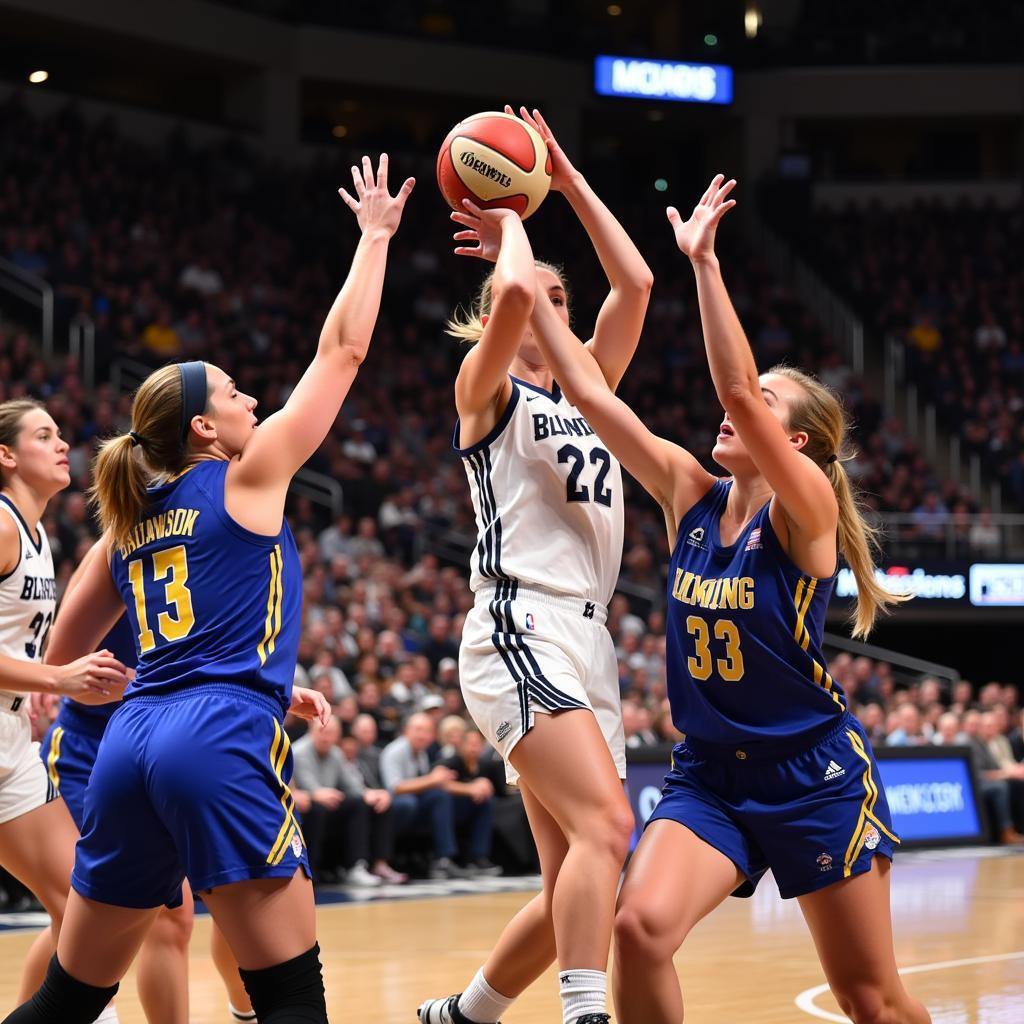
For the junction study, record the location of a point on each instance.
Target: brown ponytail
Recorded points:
(821, 415)
(153, 448)
(468, 325)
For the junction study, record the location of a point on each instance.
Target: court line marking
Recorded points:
(805, 1000)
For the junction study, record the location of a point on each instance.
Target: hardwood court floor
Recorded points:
(959, 924)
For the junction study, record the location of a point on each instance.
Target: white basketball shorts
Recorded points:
(24, 784)
(525, 651)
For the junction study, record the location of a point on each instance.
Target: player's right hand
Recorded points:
(375, 208)
(95, 679)
(483, 227)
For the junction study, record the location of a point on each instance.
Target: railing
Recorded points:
(842, 323)
(82, 345)
(920, 421)
(36, 292)
(911, 666)
(953, 535)
(127, 374)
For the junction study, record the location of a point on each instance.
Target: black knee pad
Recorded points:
(289, 993)
(62, 999)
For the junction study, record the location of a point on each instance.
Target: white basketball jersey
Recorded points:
(28, 595)
(548, 499)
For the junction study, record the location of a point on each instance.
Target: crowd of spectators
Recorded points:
(947, 280)
(215, 254)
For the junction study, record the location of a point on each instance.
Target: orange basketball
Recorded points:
(494, 159)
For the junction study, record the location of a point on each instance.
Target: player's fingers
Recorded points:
(719, 212)
(367, 172)
(466, 236)
(382, 172)
(673, 216)
(724, 191)
(108, 661)
(357, 181)
(509, 110)
(539, 118)
(406, 190)
(473, 208)
(711, 189)
(464, 250)
(349, 201)
(465, 218)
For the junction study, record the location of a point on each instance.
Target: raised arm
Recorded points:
(800, 487)
(482, 386)
(668, 472)
(287, 439)
(621, 317)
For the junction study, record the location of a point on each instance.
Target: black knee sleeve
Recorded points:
(62, 1000)
(289, 993)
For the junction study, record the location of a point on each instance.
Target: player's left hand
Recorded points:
(310, 704)
(562, 170)
(696, 236)
(483, 227)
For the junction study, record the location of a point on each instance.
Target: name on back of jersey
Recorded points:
(175, 522)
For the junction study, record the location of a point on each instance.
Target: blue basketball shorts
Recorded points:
(190, 784)
(69, 755)
(813, 817)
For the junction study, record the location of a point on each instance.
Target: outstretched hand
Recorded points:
(696, 236)
(483, 227)
(375, 208)
(562, 169)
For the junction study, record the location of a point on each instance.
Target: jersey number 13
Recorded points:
(170, 564)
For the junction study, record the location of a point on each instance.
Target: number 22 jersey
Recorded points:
(744, 628)
(209, 601)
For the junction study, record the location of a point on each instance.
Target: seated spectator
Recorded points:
(450, 732)
(423, 797)
(347, 824)
(1017, 739)
(948, 733)
(993, 781)
(473, 779)
(911, 731)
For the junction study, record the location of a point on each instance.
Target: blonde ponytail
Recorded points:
(820, 414)
(468, 324)
(153, 448)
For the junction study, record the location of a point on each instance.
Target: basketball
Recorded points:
(494, 159)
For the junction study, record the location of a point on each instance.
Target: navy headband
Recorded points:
(193, 393)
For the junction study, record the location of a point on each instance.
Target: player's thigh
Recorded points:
(673, 880)
(38, 848)
(851, 924)
(566, 765)
(265, 920)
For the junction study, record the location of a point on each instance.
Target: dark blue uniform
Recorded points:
(192, 772)
(774, 771)
(70, 747)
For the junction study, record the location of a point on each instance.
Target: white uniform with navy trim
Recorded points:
(549, 512)
(27, 604)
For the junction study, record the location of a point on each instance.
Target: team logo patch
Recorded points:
(531, 623)
(872, 837)
(834, 771)
(825, 862)
(503, 730)
(696, 538)
(754, 540)
(296, 845)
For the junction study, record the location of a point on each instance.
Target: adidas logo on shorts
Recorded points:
(503, 730)
(834, 771)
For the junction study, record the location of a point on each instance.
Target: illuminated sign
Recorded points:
(663, 80)
(905, 579)
(997, 586)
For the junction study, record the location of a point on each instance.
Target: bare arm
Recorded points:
(483, 381)
(801, 488)
(285, 440)
(621, 317)
(669, 473)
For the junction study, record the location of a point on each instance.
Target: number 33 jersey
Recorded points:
(28, 594)
(548, 499)
(744, 628)
(208, 600)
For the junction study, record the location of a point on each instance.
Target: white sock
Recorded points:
(108, 1016)
(241, 1014)
(480, 1003)
(582, 992)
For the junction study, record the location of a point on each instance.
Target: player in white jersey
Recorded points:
(537, 665)
(37, 835)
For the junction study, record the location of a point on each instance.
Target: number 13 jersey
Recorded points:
(209, 601)
(744, 628)
(28, 595)
(548, 499)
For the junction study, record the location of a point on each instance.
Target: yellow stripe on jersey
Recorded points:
(278, 752)
(273, 624)
(54, 756)
(802, 602)
(867, 807)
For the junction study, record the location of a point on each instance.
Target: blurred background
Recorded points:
(168, 176)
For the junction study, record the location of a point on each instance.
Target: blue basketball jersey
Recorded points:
(208, 600)
(93, 718)
(744, 628)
